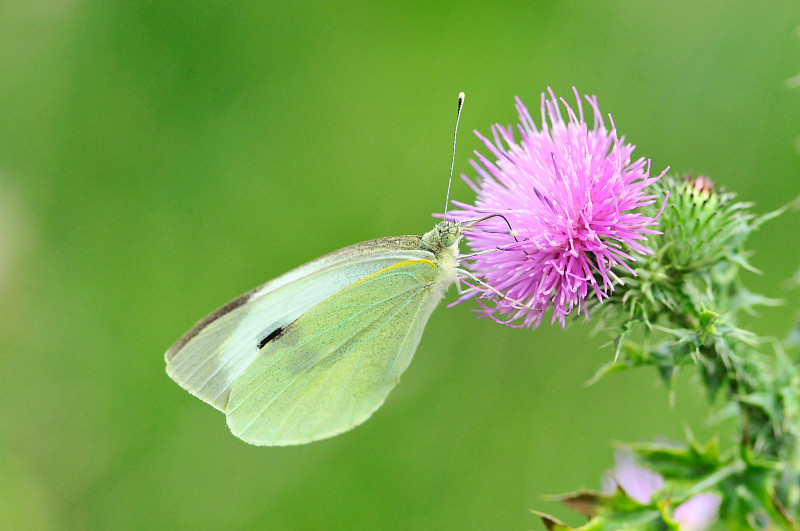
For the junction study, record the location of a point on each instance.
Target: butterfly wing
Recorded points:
(211, 356)
(329, 370)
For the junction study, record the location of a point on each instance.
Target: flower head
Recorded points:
(698, 512)
(637, 482)
(640, 484)
(569, 199)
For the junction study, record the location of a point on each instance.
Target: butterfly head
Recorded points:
(444, 237)
(449, 233)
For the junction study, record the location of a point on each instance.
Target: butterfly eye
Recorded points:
(448, 239)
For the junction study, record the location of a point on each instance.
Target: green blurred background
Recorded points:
(159, 158)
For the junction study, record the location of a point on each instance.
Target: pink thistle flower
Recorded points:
(570, 196)
(638, 482)
(698, 512)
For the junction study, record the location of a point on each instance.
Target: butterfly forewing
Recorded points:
(330, 369)
(212, 355)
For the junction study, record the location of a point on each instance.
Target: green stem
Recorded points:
(714, 479)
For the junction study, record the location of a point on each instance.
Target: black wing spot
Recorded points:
(272, 335)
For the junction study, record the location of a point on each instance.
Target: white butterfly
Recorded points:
(316, 351)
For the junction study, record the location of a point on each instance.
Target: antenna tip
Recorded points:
(460, 99)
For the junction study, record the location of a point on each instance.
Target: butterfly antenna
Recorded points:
(453, 161)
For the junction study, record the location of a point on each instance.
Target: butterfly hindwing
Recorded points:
(330, 369)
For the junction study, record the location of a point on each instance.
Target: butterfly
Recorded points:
(314, 352)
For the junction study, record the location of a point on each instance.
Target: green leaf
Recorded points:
(608, 368)
(764, 401)
(685, 461)
(551, 522)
